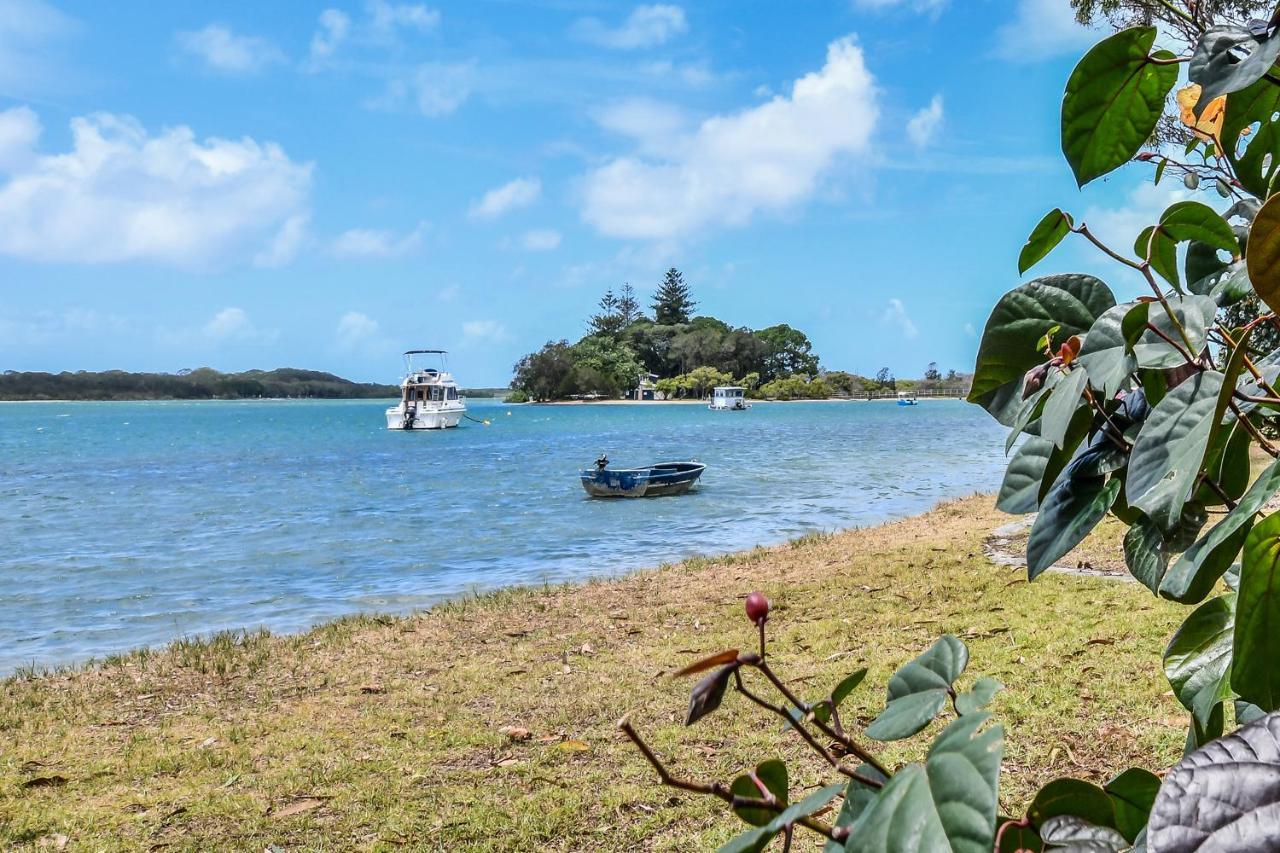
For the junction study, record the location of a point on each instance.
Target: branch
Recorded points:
(1253, 431)
(1083, 230)
(717, 789)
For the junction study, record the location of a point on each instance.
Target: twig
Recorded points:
(1253, 431)
(1083, 230)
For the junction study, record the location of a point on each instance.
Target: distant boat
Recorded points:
(729, 398)
(429, 398)
(663, 478)
(906, 399)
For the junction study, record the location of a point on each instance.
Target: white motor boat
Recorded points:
(429, 398)
(729, 398)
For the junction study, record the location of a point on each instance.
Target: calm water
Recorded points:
(127, 524)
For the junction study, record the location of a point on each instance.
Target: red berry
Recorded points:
(757, 608)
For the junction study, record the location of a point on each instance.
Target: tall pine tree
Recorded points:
(672, 304)
(628, 306)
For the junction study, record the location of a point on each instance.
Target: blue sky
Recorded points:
(325, 185)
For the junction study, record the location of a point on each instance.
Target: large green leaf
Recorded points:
(919, 690)
(1072, 797)
(1256, 167)
(857, 796)
(1073, 507)
(1105, 353)
(1263, 254)
(1254, 673)
(1114, 98)
(1202, 262)
(1171, 446)
(1146, 553)
(1217, 63)
(1061, 457)
(1070, 834)
(1193, 575)
(1132, 794)
(1222, 797)
(1195, 314)
(1020, 491)
(1061, 406)
(1186, 221)
(1044, 237)
(949, 804)
(1197, 661)
(1159, 251)
(1021, 317)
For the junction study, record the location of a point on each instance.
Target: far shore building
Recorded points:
(646, 388)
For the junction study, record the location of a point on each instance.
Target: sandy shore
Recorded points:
(704, 402)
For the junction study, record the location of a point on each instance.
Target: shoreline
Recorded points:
(703, 403)
(452, 727)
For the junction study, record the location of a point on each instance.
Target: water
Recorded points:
(129, 524)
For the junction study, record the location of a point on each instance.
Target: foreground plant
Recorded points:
(1148, 410)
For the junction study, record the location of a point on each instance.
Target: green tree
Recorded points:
(789, 352)
(628, 307)
(547, 374)
(609, 321)
(605, 366)
(672, 304)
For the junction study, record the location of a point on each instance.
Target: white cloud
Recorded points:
(652, 124)
(924, 125)
(355, 329)
(50, 327)
(970, 330)
(646, 26)
(766, 158)
(432, 88)
(225, 51)
(19, 132)
(288, 242)
(932, 7)
(29, 32)
(385, 18)
(233, 325)
(1119, 227)
(121, 194)
(541, 240)
(335, 26)
(375, 243)
(1042, 29)
(895, 316)
(513, 195)
(483, 331)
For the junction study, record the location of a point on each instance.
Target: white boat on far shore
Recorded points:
(429, 397)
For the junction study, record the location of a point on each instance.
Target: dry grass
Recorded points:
(377, 733)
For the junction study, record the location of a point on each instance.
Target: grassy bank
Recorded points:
(379, 733)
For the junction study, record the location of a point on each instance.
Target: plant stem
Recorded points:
(1084, 231)
(715, 789)
(1253, 431)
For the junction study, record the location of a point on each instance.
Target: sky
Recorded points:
(325, 185)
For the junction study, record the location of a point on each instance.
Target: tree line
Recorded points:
(689, 355)
(204, 383)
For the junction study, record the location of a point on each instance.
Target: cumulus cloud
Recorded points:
(334, 27)
(1042, 29)
(895, 316)
(483, 331)
(122, 194)
(30, 32)
(376, 243)
(924, 125)
(541, 240)
(385, 18)
(432, 88)
(513, 195)
(652, 124)
(646, 26)
(227, 52)
(355, 329)
(766, 158)
(932, 7)
(234, 325)
(19, 132)
(1120, 226)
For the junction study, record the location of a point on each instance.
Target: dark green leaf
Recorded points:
(1072, 797)
(1223, 796)
(773, 775)
(1008, 348)
(978, 696)
(919, 690)
(1254, 673)
(1044, 238)
(1020, 491)
(1145, 553)
(1253, 107)
(754, 840)
(1263, 255)
(1169, 451)
(1161, 251)
(1113, 100)
(948, 804)
(847, 686)
(707, 693)
(1194, 573)
(1197, 661)
(1198, 735)
(1132, 794)
(1192, 221)
(1217, 64)
(857, 797)
(1105, 353)
(1195, 314)
(1064, 399)
(1061, 457)
(1071, 834)
(1073, 507)
(1247, 712)
(1202, 261)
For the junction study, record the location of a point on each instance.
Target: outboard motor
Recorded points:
(410, 415)
(602, 462)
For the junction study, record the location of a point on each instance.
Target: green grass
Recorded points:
(378, 733)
